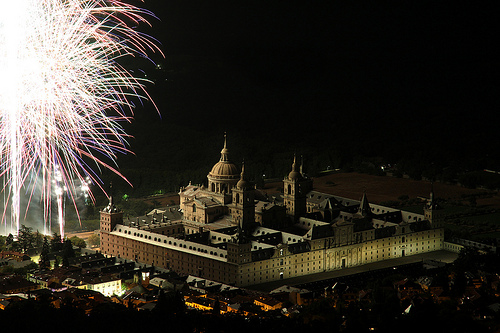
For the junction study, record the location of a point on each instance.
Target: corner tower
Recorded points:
(110, 216)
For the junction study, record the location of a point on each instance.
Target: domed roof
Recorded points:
(242, 184)
(294, 175)
(224, 168)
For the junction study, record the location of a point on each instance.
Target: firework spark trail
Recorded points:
(62, 93)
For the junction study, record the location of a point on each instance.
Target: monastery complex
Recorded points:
(231, 232)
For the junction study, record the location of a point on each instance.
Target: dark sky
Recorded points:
(419, 73)
(395, 79)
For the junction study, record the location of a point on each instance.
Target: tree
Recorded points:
(2, 242)
(216, 307)
(25, 238)
(68, 252)
(44, 261)
(9, 240)
(38, 239)
(78, 242)
(56, 243)
(57, 261)
(170, 303)
(94, 240)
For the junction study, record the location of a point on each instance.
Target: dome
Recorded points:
(224, 169)
(294, 175)
(242, 184)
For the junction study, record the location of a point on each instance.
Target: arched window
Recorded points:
(289, 189)
(237, 198)
(194, 208)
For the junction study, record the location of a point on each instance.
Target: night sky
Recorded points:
(380, 79)
(408, 82)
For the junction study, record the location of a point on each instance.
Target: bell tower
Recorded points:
(296, 187)
(243, 202)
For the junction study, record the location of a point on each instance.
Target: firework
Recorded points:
(63, 94)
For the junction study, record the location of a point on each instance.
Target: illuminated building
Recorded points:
(230, 232)
(107, 284)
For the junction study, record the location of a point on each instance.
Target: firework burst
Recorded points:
(63, 93)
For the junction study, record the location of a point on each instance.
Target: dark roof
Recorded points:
(10, 283)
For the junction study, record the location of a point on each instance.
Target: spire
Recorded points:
(224, 152)
(431, 203)
(111, 208)
(294, 164)
(364, 206)
(110, 194)
(242, 183)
